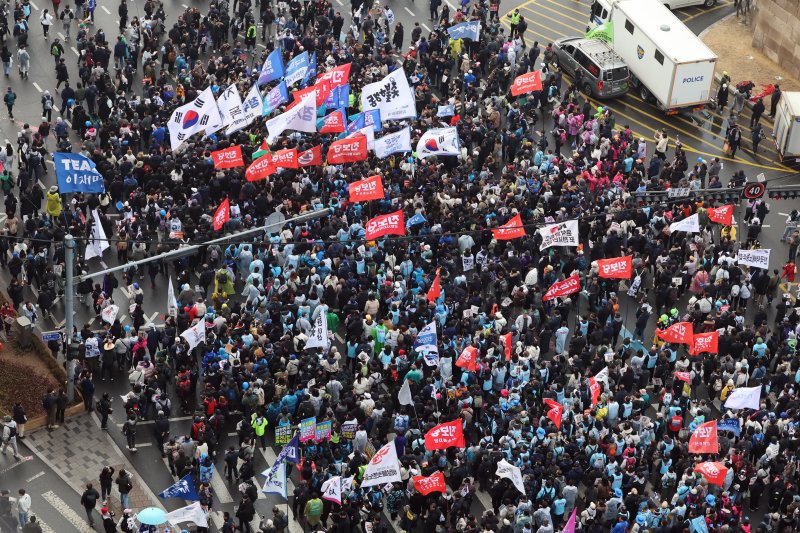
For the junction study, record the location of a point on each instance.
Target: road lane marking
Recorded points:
(34, 6)
(340, 2)
(426, 27)
(61, 36)
(75, 50)
(104, 8)
(37, 86)
(409, 11)
(294, 525)
(35, 476)
(67, 512)
(449, 3)
(220, 488)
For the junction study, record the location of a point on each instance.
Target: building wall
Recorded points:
(777, 32)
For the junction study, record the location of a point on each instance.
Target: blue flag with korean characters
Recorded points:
(77, 173)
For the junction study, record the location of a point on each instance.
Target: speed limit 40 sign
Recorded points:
(754, 190)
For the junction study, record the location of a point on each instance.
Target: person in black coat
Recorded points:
(245, 514)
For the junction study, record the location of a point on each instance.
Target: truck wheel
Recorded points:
(644, 94)
(587, 88)
(709, 3)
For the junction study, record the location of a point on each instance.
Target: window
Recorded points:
(584, 61)
(659, 57)
(569, 49)
(629, 26)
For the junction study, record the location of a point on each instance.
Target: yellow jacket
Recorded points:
(53, 206)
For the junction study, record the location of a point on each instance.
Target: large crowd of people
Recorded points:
(617, 451)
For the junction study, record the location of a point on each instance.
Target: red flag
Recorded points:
(705, 342)
(704, 438)
(348, 150)
(311, 157)
(260, 169)
(370, 188)
(526, 83)
(510, 230)
(468, 360)
(555, 412)
(617, 267)
(678, 333)
(433, 483)
(721, 215)
(507, 341)
(228, 158)
(285, 158)
(222, 215)
(321, 93)
(562, 288)
(436, 288)
(333, 123)
(686, 377)
(337, 76)
(594, 389)
(391, 224)
(713, 471)
(445, 435)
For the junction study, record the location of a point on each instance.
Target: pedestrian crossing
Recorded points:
(67, 513)
(294, 525)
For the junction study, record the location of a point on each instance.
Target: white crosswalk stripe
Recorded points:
(66, 511)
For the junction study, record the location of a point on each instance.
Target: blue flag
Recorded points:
(466, 30)
(446, 111)
(274, 98)
(272, 69)
(296, 69)
(427, 340)
(698, 524)
(183, 488)
(416, 219)
(77, 173)
(373, 118)
(311, 72)
(356, 123)
(730, 424)
(290, 452)
(339, 97)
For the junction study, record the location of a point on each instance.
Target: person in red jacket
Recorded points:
(789, 271)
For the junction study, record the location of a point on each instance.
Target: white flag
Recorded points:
(318, 337)
(758, 257)
(404, 396)
(744, 398)
(602, 375)
(194, 117)
(561, 234)
(229, 104)
(195, 334)
(275, 483)
(191, 513)
(109, 314)
(383, 468)
(392, 143)
(302, 117)
(251, 109)
(690, 224)
(392, 95)
(98, 243)
(369, 133)
(332, 490)
(509, 471)
(439, 141)
(172, 302)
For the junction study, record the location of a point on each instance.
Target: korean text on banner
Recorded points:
(77, 173)
(348, 150)
(392, 95)
(512, 229)
(370, 188)
(758, 258)
(390, 224)
(228, 157)
(616, 267)
(526, 83)
(563, 288)
(389, 144)
(383, 468)
(561, 234)
(308, 429)
(445, 435)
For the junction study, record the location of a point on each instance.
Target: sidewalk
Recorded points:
(78, 451)
(731, 39)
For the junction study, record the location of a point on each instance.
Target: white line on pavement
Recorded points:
(781, 214)
(104, 8)
(35, 476)
(143, 444)
(185, 6)
(75, 50)
(220, 488)
(34, 6)
(340, 2)
(409, 11)
(61, 36)
(152, 317)
(67, 512)
(426, 27)
(449, 3)
(37, 86)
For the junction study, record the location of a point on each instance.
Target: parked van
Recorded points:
(604, 73)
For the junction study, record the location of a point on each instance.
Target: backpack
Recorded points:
(12, 431)
(54, 51)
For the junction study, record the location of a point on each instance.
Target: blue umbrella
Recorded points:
(152, 516)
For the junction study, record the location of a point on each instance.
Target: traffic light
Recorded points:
(789, 192)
